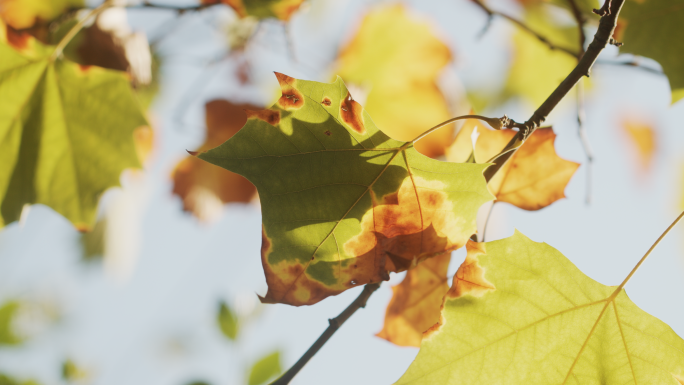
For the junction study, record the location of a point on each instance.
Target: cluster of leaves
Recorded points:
(345, 203)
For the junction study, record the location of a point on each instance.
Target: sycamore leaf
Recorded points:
(342, 203)
(519, 312)
(227, 321)
(400, 58)
(537, 70)
(261, 9)
(265, 369)
(22, 14)
(199, 183)
(415, 305)
(532, 179)
(643, 138)
(653, 28)
(67, 131)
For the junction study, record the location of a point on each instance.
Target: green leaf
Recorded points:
(66, 131)
(342, 203)
(227, 321)
(265, 369)
(653, 28)
(8, 312)
(519, 312)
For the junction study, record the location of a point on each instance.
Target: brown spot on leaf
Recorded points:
(17, 39)
(327, 132)
(351, 113)
(470, 277)
(269, 116)
(291, 98)
(326, 101)
(84, 67)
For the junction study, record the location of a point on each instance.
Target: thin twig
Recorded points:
(581, 21)
(491, 13)
(584, 138)
(583, 68)
(335, 324)
(170, 7)
(495, 123)
(633, 64)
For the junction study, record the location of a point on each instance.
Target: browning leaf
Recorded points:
(200, 183)
(415, 305)
(542, 321)
(402, 71)
(342, 203)
(532, 179)
(22, 14)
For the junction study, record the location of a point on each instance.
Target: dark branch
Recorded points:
(179, 9)
(335, 324)
(601, 40)
(491, 13)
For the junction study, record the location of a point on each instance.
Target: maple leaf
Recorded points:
(654, 29)
(643, 138)
(22, 14)
(261, 9)
(402, 72)
(519, 312)
(342, 203)
(200, 183)
(532, 179)
(67, 130)
(416, 301)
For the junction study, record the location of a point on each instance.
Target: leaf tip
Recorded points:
(193, 153)
(470, 277)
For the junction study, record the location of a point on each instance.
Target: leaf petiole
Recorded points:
(495, 123)
(76, 28)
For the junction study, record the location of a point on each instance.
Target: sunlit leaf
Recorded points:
(415, 305)
(519, 312)
(8, 313)
(262, 9)
(399, 58)
(72, 372)
(653, 28)
(532, 179)
(342, 203)
(203, 186)
(21, 14)
(265, 369)
(227, 321)
(67, 131)
(537, 70)
(643, 138)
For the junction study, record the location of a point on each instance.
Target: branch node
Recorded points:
(615, 42)
(605, 9)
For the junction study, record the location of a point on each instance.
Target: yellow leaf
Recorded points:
(22, 14)
(532, 179)
(643, 138)
(415, 304)
(400, 58)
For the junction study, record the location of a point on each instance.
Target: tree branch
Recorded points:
(524, 27)
(602, 38)
(581, 21)
(335, 324)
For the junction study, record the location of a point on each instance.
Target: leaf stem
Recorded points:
(335, 324)
(76, 28)
(491, 121)
(622, 285)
